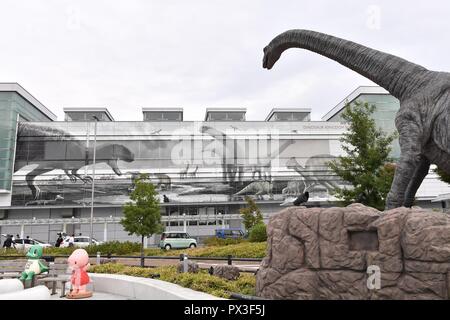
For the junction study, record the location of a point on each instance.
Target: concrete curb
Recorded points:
(35, 293)
(144, 289)
(10, 285)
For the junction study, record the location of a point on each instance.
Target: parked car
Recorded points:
(25, 244)
(177, 240)
(230, 233)
(80, 242)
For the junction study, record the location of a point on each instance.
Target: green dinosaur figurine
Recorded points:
(33, 266)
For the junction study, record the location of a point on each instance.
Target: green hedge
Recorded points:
(201, 281)
(240, 250)
(258, 233)
(110, 247)
(244, 249)
(214, 241)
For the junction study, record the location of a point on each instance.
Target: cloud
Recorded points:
(198, 54)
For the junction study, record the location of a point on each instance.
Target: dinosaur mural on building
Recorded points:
(257, 188)
(106, 153)
(423, 120)
(233, 171)
(314, 172)
(294, 188)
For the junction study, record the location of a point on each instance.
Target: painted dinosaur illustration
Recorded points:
(163, 181)
(294, 188)
(423, 120)
(193, 174)
(74, 149)
(233, 171)
(184, 172)
(264, 166)
(314, 171)
(55, 201)
(257, 188)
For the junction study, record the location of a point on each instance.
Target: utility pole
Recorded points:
(93, 180)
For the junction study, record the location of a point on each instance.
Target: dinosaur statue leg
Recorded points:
(30, 179)
(23, 276)
(409, 161)
(420, 174)
(70, 175)
(85, 179)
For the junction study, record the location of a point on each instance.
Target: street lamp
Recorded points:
(93, 178)
(221, 218)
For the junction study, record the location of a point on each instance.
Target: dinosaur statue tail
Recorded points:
(400, 77)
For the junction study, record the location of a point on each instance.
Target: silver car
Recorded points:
(80, 242)
(25, 244)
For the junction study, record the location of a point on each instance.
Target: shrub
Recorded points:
(251, 214)
(115, 248)
(110, 247)
(214, 241)
(258, 233)
(240, 250)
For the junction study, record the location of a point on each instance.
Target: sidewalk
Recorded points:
(95, 296)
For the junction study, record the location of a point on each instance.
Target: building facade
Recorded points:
(205, 169)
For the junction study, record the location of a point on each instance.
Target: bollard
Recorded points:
(98, 258)
(181, 256)
(230, 261)
(185, 264)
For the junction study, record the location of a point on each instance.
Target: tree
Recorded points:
(367, 165)
(142, 215)
(251, 214)
(258, 233)
(443, 176)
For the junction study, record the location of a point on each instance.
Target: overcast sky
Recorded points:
(125, 55)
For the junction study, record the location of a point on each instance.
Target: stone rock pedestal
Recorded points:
(356, 252)
(192, 267)
(226, 272)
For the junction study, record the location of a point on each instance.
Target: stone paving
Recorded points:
(95, 296)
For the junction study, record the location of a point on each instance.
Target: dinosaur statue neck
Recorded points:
(398, 76)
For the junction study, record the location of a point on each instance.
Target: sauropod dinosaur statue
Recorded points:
(423, 120)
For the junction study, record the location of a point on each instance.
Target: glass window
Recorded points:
(172, 116)
(226, 116)
(162, 116)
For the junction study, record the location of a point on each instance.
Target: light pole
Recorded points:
(93, 179)
(221, 218)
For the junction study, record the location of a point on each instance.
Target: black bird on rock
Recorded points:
(303, 198)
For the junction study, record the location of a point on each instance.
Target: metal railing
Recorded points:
(229, 258)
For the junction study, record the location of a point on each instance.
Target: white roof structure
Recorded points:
(442, 197)
(90, 109)
(299, 110)
(162, 109)
(223, 109)
(352, 96)
(15, 87)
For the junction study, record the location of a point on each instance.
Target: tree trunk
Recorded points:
(142, 251)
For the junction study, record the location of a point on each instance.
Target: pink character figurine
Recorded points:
(79, 263)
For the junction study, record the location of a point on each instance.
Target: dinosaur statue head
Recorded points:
(271, 56)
